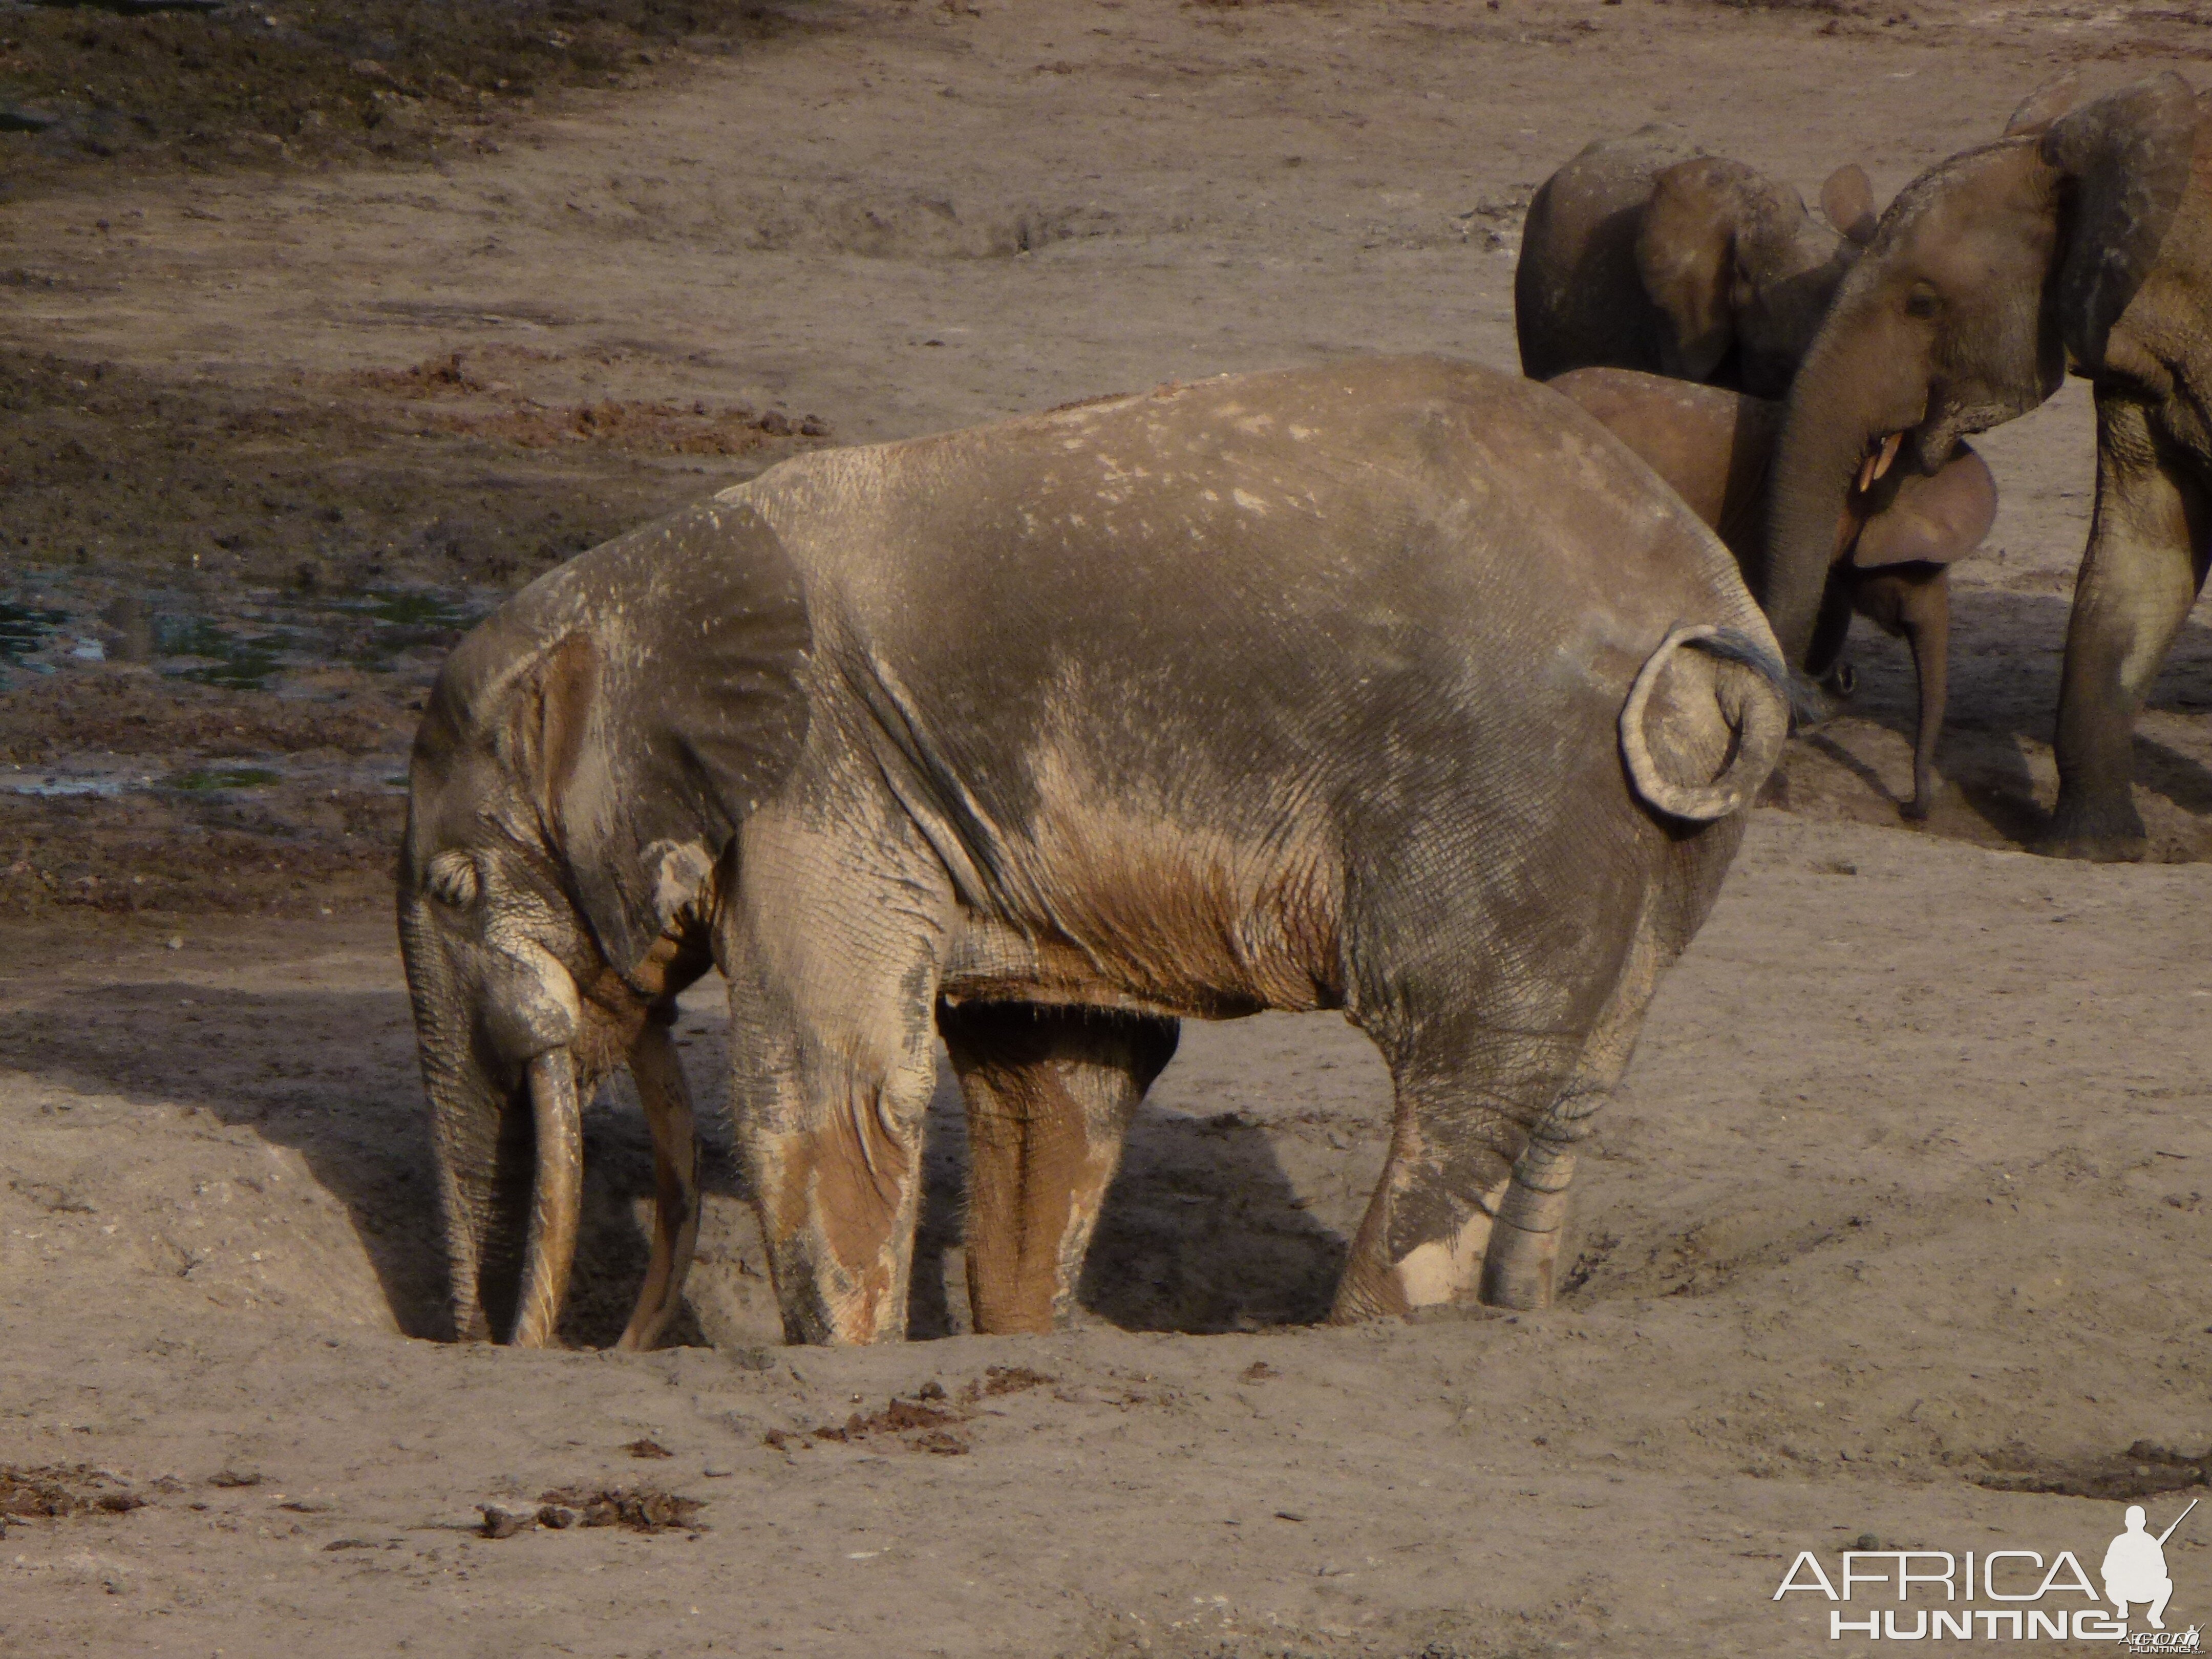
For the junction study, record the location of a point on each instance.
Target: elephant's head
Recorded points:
(583, 763)
(1741, 273)
(1984, 277)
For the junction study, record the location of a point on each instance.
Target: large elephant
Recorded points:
(1894, 543)
(1643, 253)
(2081, 238)
(1398, 688)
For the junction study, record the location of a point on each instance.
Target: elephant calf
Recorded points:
(1643, 253)
(1399, 688)
(1899, 533)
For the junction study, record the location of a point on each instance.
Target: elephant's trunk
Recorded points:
(557, 1197)
(1827, 445)
(508, 1137)
(470, 1108)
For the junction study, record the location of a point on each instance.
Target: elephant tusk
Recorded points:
(556, 1198)
(1877, 464)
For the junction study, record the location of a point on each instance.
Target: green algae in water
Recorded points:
(24, 629)
(211, 779)
(235, 663)
(417, 608)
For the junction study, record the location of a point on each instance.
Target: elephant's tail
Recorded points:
(1705, 720)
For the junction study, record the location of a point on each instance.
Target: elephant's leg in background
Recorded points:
(2148, 541)
(1824, 662)
(1924, 614)
(1913, 602)
(1050, 1094)
(832, 947)
(667, 1098)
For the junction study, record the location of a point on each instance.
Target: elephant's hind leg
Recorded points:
(666, 1097)
(1520, 1265)
(1050, 1094)
(1491, 1103)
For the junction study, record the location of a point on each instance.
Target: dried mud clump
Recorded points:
(1007, 1379)
(51, 1492)
(467, 394)
(914, 1423)
(926, 1422)
(634, 1509)
(638, 1509)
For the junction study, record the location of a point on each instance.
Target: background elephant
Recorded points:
(1643, 253)
(1895, 541)
(1399, 688)
(2084, 239)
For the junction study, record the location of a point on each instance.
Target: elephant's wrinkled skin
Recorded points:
(1398, 688)
(1643, 253)
(1895, 541)
(2083, 240)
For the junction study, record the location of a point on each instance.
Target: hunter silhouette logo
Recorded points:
(2135, 1567)
(2030, 1597)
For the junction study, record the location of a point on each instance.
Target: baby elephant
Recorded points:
(1901, 531)
(1642, 253)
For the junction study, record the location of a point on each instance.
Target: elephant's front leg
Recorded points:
(2149, 542)
(1050, 1093)
(833, 958)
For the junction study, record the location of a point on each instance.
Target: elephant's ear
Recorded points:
(2127, 156)
(1686, 255)
(2045, 105)
(1847, 200)
(1924, 519)
(668, 710)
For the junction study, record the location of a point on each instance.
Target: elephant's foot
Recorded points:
(1520, 1269)
(1433, 1273)
(1523, 1275)
(2102, 829)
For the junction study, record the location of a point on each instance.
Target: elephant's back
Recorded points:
(1187, 648)
(1711, 446)
(1411, 496)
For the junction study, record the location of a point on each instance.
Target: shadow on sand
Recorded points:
(1202, 1231)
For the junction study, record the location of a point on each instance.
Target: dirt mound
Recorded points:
(2143, 1470)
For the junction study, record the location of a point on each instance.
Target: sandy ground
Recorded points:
(1895, 1237)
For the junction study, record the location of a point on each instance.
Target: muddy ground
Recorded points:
(1896, 1235)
